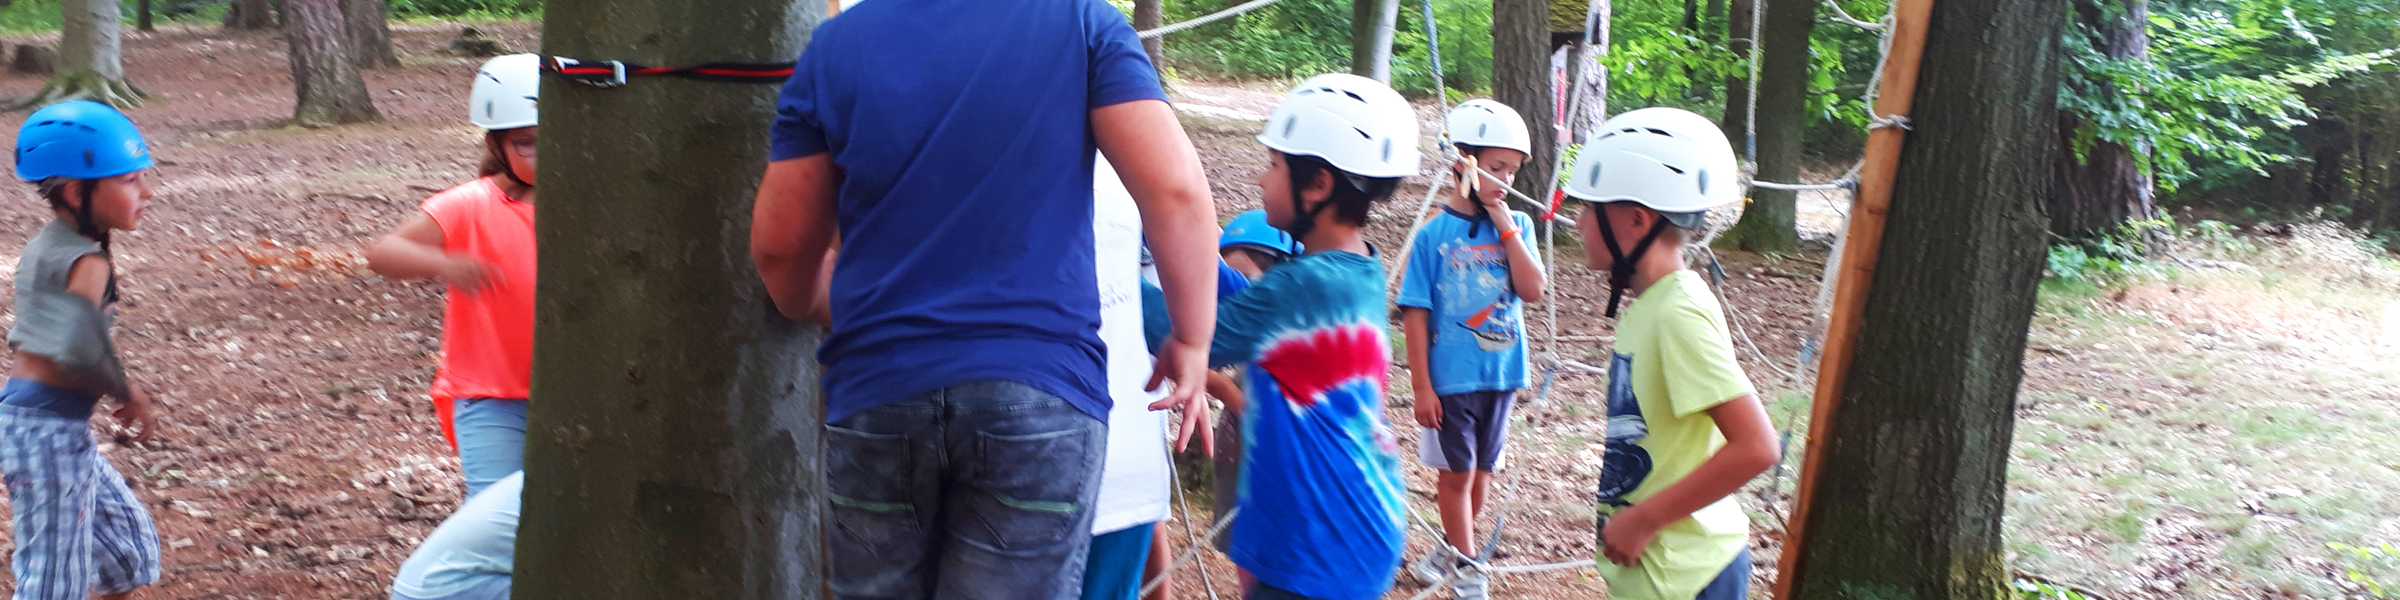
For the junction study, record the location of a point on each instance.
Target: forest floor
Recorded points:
(2204, 431)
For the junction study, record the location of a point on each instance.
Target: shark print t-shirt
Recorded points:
(1320, 494)
(1674, 362)
(1458, 272)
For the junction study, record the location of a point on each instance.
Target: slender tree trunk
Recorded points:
(330, 88)
(1914, 476)
(370, 34)
(1146, 15)
(142, 16)
(672, 449)
(2106, 187)
(1371, 27)
(90, 58)
(1737, 85)
(1590, 77)
(1769, 222)
(250, 14)
(1521, 80)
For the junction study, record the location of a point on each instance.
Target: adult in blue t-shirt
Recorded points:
(965, 394)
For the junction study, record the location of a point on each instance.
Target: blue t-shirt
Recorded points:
(1320, 492)
(962, 130)
(1155, 325)
(1458, 271)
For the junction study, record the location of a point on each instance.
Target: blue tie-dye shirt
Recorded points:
(1320, 492)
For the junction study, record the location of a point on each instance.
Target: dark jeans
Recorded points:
(980, 490)
(1267, 592)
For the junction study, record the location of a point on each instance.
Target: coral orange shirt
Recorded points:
(487, 335)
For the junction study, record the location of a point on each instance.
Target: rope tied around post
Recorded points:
(613, 73)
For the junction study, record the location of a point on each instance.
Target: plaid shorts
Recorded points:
(79, 530)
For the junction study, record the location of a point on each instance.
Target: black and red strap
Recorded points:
(611, 73)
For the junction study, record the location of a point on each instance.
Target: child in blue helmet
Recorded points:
(79, 530)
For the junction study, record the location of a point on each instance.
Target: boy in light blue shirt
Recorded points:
(1462, 303)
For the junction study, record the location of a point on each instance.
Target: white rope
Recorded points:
(1192, 553)
(1798, 187)
(1843, 17)
(1175, 483)
(1758, 12)
(1211, 18)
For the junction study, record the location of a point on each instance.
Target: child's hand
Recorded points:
(135, 415)
(1468, 181)
(1429, 410)
(468, 275)
(1627, 534)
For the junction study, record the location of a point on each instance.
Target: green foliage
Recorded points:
(2216, 84)
(2110, 259)
(487, 9)
(1299, 38)
(2028, 589)
(42, 16)
(2372, 568)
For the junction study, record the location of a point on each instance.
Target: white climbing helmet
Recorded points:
(504, 92)
(1668, 159)
(1487, 123)
(1360, 126)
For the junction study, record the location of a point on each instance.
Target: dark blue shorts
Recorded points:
(1473, 434)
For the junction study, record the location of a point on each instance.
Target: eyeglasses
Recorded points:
(522, 147)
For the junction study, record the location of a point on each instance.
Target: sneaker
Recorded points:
(1433, 567)
(1471, 586)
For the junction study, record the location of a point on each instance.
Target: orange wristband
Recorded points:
(1508, 235)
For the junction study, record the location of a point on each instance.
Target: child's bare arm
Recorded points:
(1749, 450)
(1414, 330)
(89, 279)
(1223, 387)
(414, 251)
(1149, 150)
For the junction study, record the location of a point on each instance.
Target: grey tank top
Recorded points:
(60, 324)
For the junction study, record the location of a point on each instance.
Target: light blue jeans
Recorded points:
(491, 439)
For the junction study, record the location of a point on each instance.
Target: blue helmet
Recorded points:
(79, 139)
(1251, 229)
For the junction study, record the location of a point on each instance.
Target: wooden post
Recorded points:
(1862, 243)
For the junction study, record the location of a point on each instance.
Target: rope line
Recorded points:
(1843, 17)
(1211, 18)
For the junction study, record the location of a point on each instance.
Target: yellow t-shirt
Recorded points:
(1674, 361)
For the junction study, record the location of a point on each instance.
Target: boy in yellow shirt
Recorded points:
(1685, 428)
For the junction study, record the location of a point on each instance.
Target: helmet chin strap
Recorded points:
(1621, 265)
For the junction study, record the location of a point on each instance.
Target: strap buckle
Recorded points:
(615, 77)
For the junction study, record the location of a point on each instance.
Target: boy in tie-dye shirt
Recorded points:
(1320, 495)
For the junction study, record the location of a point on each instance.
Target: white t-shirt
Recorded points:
(1133, 485)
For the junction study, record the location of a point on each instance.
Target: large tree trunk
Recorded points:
(1371, 27)
(142, 16)
(673, 449)
(1915, 461)
(370, 34)
(330, 88)
(1146, 15)
(1521, 79)
(250, 14)
(1737, 85)
(90, 58)
(1769, 222)
(2106, 188)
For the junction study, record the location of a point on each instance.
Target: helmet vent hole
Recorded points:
(1387, 149)
(1676, 169)
(1593, 179)
(87, 158)
(1658, 131)
(1288, 124)
(1483, 130)
(1703, 179)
